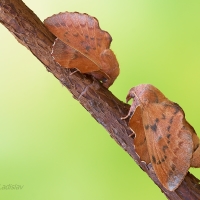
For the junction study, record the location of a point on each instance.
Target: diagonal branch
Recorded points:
(101, 103)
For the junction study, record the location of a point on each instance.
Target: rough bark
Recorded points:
(100, 102)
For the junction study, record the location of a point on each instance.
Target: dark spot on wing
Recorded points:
(168, 128)
(75, 34)
(168, 142)
(177, 108)
(163, 160)
(154, 127)
(159, 162)
(164, 148)
(86, 36)
(163, 116)
(67, 40)
(183, 127)
(146, 127)
(168, 136)
(173, 167)
(153, 159)
(171, 120)
(159, 138)
(87, 48)
(157, 120)
(66, 33)
(92, 38)
(75, 56)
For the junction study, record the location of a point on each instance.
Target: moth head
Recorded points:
(146, 93)
(130, 95)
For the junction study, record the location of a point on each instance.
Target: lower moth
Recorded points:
(163, 137)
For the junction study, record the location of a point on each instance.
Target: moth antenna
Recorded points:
(128, 97)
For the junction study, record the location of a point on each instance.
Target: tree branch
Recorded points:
(101, 103)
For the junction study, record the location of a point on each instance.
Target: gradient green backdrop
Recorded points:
(50, 144)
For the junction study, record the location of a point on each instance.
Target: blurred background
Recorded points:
(50, 144)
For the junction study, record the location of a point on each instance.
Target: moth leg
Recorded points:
(132, 134)
(76, 70)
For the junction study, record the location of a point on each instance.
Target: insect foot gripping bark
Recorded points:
(163, 136)
(81, 44)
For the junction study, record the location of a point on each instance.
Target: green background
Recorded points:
(50, 144)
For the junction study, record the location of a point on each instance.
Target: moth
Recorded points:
(163, 137)
(81, 44)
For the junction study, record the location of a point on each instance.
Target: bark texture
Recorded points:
(100, 102)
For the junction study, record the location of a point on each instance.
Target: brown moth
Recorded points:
(162, 135)
(81, 44)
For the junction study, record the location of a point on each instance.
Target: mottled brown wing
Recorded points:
(195, 161)
(169, 142)
(71, 58)
(140, 143)
(82, 33)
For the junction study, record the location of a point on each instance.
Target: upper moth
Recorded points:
(81, 44)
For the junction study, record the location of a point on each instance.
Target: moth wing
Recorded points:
(70, 58)
(140, 143)
(82, 33)
(169, 142)
(195, 162)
